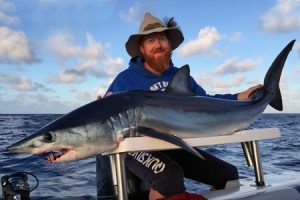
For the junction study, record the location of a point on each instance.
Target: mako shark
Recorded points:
(172, 115)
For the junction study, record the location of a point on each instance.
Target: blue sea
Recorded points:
(77, 179)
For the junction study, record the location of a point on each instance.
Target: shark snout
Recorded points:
(14, 148)
(23, 146)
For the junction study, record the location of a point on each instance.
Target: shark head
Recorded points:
(77, 135)
(47, 142)
(67, 144)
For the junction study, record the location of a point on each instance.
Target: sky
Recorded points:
(56, 55)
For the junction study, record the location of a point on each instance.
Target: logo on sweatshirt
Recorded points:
(159, 86)
(149, 161)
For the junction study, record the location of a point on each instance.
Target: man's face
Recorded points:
(156, 50)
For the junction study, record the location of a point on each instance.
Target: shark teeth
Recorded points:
(55, 155)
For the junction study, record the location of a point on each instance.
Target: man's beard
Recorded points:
(161, 63)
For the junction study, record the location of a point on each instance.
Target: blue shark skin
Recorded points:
(172, 115)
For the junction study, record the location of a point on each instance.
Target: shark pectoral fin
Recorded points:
(169, 138)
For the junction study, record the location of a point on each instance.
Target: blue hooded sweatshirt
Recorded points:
(136, 77)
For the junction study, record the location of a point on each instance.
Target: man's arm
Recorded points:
(239, 96)
(201, 92)
(245, 95)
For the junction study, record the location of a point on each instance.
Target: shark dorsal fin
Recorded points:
(180, 84)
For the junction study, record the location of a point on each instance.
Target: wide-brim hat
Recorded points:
(151, 24)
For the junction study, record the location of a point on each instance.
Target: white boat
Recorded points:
(281, 186)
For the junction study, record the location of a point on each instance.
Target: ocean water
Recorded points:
(77, 180)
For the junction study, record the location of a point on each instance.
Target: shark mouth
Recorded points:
(53, 156)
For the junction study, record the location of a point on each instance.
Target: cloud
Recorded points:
(6, 5)
(4, 18)
(92, 59)
(297, 47)
(203, 44)
(8, 20)
(283, 17)
(84, 95)
(34, 103)
(235, 37)
(114, 66)
(236, 82)
(15, 47)
(232, 66)
(290, 94)
(62, 45)
(21, 84)
(213, 86)
(135, 12)
(67, 76)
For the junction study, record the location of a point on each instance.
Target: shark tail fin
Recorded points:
(169, 138)
(272, 78)
(276, 103)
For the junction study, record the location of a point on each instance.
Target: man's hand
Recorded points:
(245, 95)
(108, 94)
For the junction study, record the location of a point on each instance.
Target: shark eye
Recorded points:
(48, 137)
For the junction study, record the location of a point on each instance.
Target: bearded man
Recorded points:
(151, 68)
